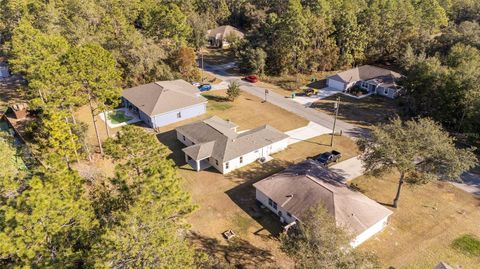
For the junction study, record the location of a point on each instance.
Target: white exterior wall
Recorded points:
(186, 142)
(254, 155)
(379, 226)
(391, 93)
(336, 84)
(171, 116)
(262, 198)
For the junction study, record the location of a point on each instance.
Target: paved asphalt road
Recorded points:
(286, 103)
(471, 181)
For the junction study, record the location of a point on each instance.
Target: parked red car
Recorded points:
(251, 78)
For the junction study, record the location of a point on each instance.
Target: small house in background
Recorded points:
(164, 102)
(19, 111)
(370, 78)
(291, 193)
(221, 36)
(216, 142)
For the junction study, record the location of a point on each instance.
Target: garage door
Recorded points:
(336, 84)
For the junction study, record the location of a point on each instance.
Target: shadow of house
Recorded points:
(238, 253)
(243, 195)
(318, 84)
(169, 139)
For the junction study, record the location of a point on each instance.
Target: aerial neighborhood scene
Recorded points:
(240, 134)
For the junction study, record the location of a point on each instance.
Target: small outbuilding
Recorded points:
(164, 102)
(291, 193)
(221, 36)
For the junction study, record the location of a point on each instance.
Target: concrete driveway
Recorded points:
(321, 94)
(349, 169)
(471, 183)
(304, 133)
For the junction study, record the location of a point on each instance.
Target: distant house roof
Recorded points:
(163, 96)
(382, 76)
(307, 184)
(443, 265)
(217, 138)
(221, 32)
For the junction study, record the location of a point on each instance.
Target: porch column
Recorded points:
(186, 158)
(198, 165)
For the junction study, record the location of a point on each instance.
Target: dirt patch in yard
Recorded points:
(361, 112)
(421, 230)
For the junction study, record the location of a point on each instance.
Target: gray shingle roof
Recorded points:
(368, 72)
(163, 96)
(227, 144)
(443, 265)
(307, 184)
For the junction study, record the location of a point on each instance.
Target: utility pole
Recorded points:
(336, 107)
(201, 52)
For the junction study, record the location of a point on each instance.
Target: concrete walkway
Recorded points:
(471, 183)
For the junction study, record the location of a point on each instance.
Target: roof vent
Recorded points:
(290, 195)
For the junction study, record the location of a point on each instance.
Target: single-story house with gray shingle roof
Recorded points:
(371, 78)
(216, 142)
(291, 193)
(165, 102)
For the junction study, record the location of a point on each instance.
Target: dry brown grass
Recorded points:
(421, 229)
(361, 112)
(228, 201)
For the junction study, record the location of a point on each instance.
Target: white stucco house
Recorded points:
(216, 142)
(292, 192)
(164, 102)
(219, 37)
(373, 79)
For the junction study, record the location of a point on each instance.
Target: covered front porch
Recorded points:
(197, 165)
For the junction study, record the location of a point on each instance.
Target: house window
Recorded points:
(386, 91)
(241, 159)
(272, 204)
(179, 115)
(216, 162)
(288, 214)
(183, 137)
(226, 165)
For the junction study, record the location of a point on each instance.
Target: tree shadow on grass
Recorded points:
(216, 98)
(238, 252)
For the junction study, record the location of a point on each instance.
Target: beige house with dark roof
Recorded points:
(216, 142)
(292, 192)
(373, 79)
(219, 37)
(164, 102)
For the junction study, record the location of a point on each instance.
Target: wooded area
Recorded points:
(76, 53)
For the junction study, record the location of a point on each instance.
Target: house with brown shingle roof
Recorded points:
(291, 193)
(220, 36)
(216, 142)
(164, 102)
(371, 78)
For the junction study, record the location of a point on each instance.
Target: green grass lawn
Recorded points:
(118, 116)
(467, 244)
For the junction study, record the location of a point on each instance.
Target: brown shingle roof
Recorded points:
(163, 96)
(227, 144)
(223, 31)
(307, 184)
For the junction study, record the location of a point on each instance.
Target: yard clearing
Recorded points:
(228, 201)
(421, 230)
(363, 112)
